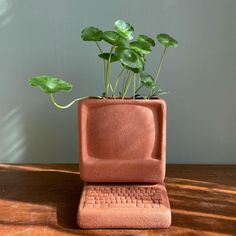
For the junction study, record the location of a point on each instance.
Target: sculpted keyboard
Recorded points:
(122, 197)
(124, 206)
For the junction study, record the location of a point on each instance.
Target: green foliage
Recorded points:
(91, 34)
(124, 29)
(130, 54)
(147, 39)
(50, 84)
(129, 58)
(141, 47)
(167, 41)
(106, 56)
(147, 80)
(113, 38)
(135, 70)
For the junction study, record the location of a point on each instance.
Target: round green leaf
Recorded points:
(113, 38)
(91, 34)
(167, 40)
(147, 80)
(141, 47)
(135, 70)
(124, 29)
(129, 58)
(145, 38)
(50, 84)
(106, 55)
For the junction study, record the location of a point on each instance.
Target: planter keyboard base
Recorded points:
(124, 206)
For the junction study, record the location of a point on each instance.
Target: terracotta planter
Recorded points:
(122, 140)
(122, 160)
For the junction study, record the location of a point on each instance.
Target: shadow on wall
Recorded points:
(13, 144)
(5, 6)
(48, 196)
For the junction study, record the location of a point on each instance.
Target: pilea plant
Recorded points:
(130, 53)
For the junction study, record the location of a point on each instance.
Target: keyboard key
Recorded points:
(116, 205)
(90, 198)
(90, 201)
(140, 205)
(147, 201)
(155, 205)
(89, 205)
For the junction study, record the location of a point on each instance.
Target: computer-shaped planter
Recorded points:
(122, 162)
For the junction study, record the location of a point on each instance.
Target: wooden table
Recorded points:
(43, 200)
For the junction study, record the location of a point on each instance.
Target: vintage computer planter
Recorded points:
(122, 140)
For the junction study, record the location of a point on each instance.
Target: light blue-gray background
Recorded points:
(43, 37)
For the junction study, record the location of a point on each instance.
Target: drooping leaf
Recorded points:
(113, 38)
(167, 40)
(50, 84)
(105, 56)
(147, 39)
(124, 29)
(91, 34)
(141, 47)
(147, 80)
(129, 58)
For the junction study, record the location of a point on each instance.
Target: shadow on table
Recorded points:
(196, 204)
(203, 202)
(49, 186)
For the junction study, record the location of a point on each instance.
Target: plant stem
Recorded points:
(134, 86)
(104, 64)
(117, 82)
(111, 87)
(110, 78)
(129, 80)
(158, 71)
(160, 64)
(98, 47)
(67, 106)
(139, 88)
(108, 73)
(139, 82)
(123, 83)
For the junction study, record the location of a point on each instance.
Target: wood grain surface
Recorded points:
(43, 200)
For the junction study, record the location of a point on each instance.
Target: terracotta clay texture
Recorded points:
(122, 140)
(124, 206)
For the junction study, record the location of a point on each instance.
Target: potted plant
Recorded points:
(113, 126)
(121, 139)
(131, 55)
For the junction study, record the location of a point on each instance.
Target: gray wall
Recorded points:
(43, 37)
